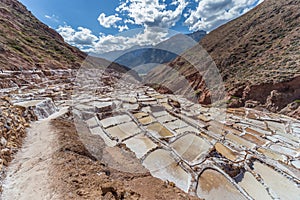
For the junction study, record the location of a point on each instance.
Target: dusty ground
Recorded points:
(28, 175)
(76, 174)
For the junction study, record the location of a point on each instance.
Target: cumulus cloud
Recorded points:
(82, 37)
(123, 28)
(108, 21)
(148, 36)
(152, 13)
(210, 14)
(148, 14)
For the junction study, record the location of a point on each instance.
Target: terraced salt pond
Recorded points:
(214, 185)
(279, 186)
(246, 154)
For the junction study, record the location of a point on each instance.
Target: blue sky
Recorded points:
(99, 26)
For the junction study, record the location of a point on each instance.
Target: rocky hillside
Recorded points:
(257, 55)
(27, 43)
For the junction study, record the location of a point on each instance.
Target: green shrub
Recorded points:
(17, 47)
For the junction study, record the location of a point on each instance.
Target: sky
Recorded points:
(98, 26)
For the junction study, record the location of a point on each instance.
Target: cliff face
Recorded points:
(27, 43)
(257, 56)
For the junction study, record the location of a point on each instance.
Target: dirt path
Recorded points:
(54, 164)
(28, 175)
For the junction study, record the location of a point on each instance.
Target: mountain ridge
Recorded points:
(257, 56)
(144, 58)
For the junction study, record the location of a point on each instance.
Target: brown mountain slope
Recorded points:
(28, 43)
(258, 56)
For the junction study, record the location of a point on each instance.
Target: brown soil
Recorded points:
(77, 174)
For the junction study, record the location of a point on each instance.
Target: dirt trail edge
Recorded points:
(28, 174)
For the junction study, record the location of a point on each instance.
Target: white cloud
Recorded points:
(121, 42)
(52, 17)
(207, 15)
(108, 21)
(123, 28)
(82, 37)
(152, 13)
(212, 13)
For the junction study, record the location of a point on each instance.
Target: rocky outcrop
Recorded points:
(13, 122)
(292, 110)
(274, 97)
